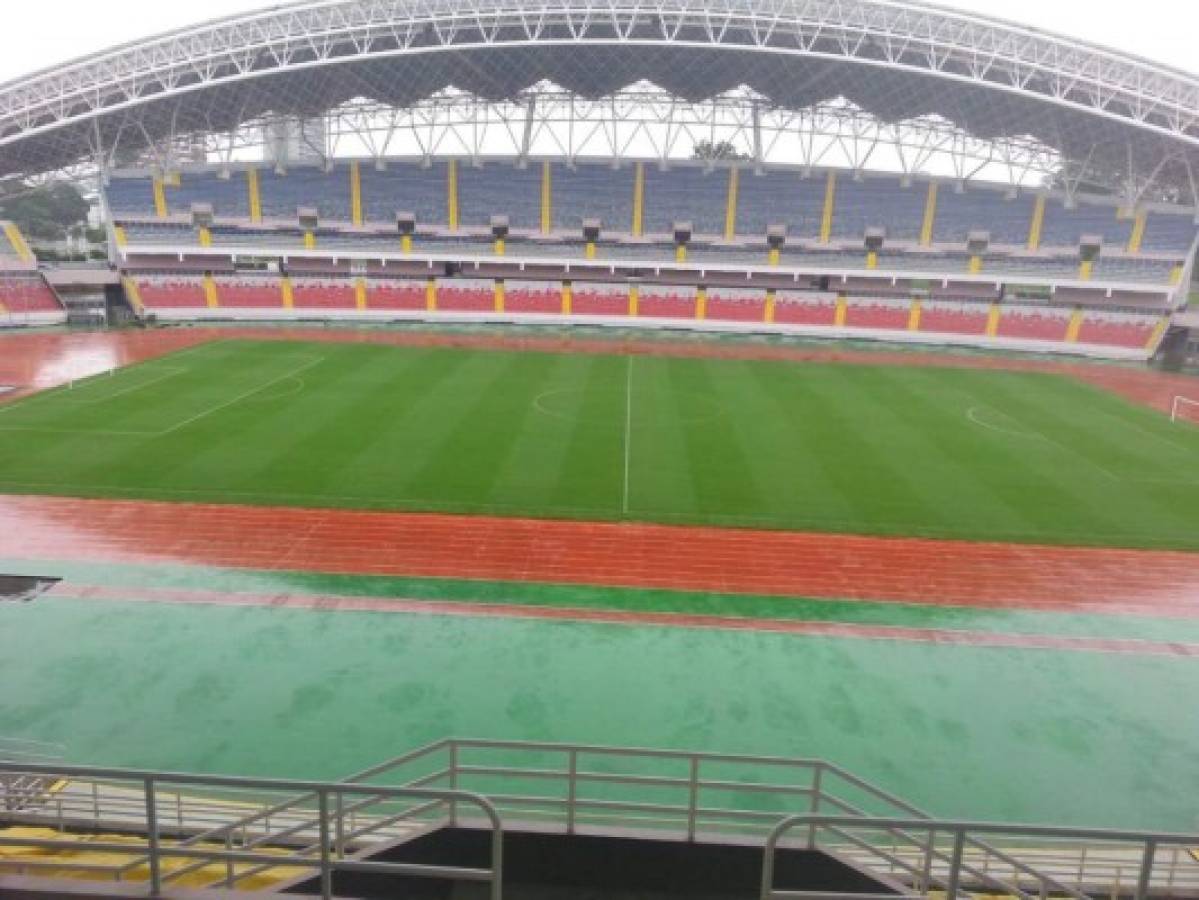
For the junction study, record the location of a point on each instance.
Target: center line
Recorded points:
(628, 432)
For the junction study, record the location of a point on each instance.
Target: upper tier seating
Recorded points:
(777, 197)
(230, 198)
(499, 188)
(698, 196)
(1008, 220)
(593, 192)
(878, 203)
(1066, 227)
(328, 192)
(406, 187)
(682, 192)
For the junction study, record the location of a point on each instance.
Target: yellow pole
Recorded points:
(730, 209)
(634, 300)
(701, 303)
(1037, 224)
(356, 193)
(930, 216)
(255, 195)
(830, 201)
(452, 194)
(547, 198)
(638, 199)
(914, 315)
(770, 302)
(499, 295)
(431, 295)
(567, 298)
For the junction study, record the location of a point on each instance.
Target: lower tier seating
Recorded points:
(978, 322)
(23, 294)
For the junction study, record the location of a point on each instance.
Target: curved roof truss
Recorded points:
(898, 61)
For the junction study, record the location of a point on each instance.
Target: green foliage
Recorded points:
(48, 213)
(718, 150)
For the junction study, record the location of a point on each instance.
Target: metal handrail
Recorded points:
(325, 862)
(961, 832)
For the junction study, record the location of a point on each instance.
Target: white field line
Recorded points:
(84, 401)
(1029, 433)
(628, 433)
(240, 397)
(178, 425)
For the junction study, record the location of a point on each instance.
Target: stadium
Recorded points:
(639, 449)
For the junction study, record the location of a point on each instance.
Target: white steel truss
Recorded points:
(903, 63)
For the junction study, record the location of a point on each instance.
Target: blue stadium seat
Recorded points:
(878, 203)
(783, 198)
(1169, 233)
(499, 189)
(1066, 227)
(982, 209)
(228, 196)
(406, 187)
(328, 192)
(132, 196)
(685, 194)
(593, 191)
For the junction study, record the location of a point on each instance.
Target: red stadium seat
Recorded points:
(954, 318)
(678, 304)
(1032, 324)
(529, 299)
(324, 295)
(405, 295)
(600, 300)
(805, 311)
(172, 293)
(733, 308)
(1116, 331)
(878, 315)
(250, 293)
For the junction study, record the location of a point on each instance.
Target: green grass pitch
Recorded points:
(948, 453)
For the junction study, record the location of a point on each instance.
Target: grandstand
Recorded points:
(822, 222)
(758, 421)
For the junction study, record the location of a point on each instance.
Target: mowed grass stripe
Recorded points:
(876, 450)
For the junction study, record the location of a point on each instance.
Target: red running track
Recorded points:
(905, 570)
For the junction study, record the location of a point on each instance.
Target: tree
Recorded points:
(46, 213)
(718, 150)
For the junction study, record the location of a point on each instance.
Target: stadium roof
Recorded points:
(895, 61)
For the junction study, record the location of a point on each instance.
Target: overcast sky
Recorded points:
(35, 36)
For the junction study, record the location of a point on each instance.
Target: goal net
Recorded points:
(1185, 409)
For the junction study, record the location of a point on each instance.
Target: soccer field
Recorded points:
(949, 453)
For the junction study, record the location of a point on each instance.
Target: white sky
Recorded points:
(36, 36)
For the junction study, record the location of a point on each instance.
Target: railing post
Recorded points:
(693, 799)
(572, 791)
(1146, 869)
(929, 849)
(814, 806)
(152, 839)
(339, 824)
(497, 858)
(322, 799)
(453, 782)
(955, 864)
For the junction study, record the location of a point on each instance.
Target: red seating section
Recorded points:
(864, 314)
(595, 301)
(667, 306)
(250, 293)
(1132, 333)
(954, 320)
(465, 299)
(530, 300)
(172, 293)
(27, 295)
(736, 309)
(324, 295)
(1032, 325)
(411, 295)
(805, 312)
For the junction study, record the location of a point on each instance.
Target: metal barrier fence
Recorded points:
(952, 856)
(316, 828)
(229, 830)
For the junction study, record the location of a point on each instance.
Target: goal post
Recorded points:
(1185, 409)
